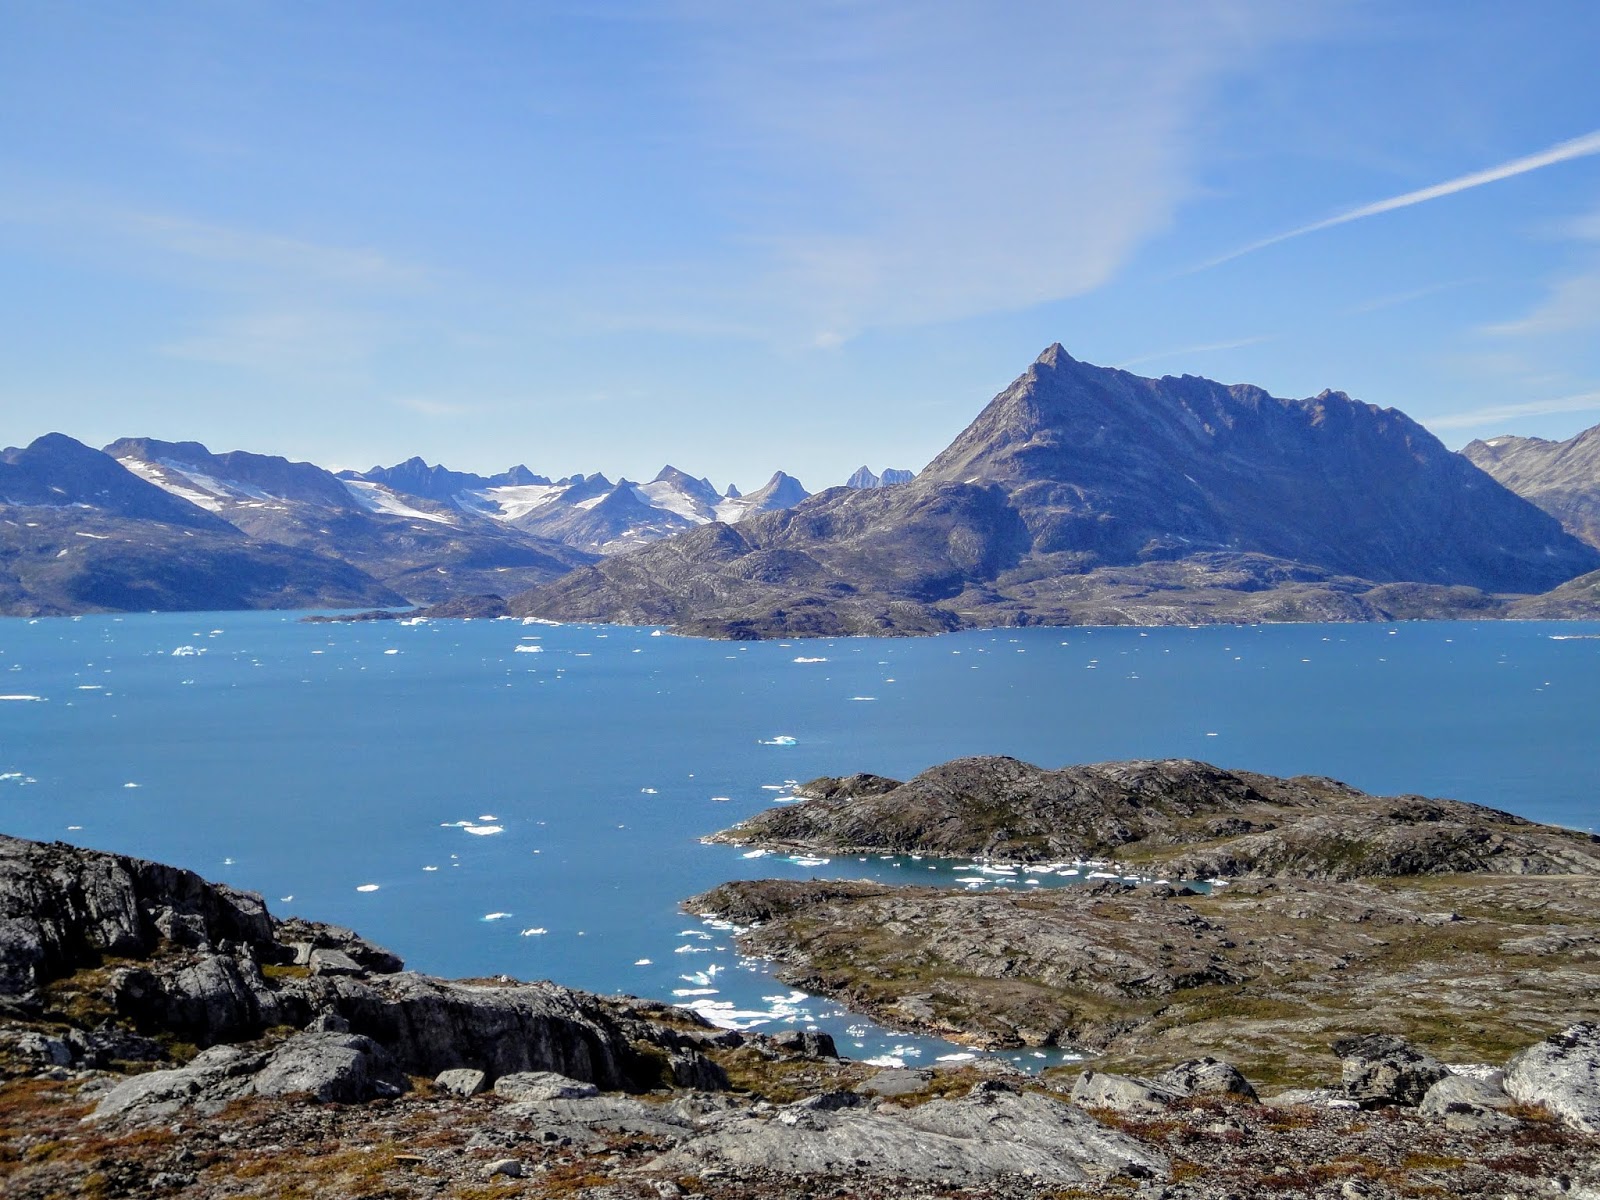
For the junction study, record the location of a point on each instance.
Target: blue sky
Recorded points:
(738, 237)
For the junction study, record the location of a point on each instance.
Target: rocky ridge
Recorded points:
(1563, 478)
(1178, 817)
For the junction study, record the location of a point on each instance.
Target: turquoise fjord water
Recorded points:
(529, 799)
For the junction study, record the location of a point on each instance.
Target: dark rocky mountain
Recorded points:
(1085, 494)
(57, 472)
(1563, 478)
(1109, 465)
(79, 533)
(426, 551)
(864, 478)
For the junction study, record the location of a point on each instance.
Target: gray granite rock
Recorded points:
(342, 1067)
(1563, 1074)
(1122, 1093)
(1205, 1077)
(1467, 1104)
(460, 1081)
(542, 1085)
(990, 1133)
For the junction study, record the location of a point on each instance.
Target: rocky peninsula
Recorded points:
(165, 1036)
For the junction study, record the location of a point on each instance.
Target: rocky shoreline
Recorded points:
(164, 1036)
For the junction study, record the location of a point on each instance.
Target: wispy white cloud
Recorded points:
(1206, 348)
(1395, 299)
(240, 247)
(1500, 414)
(1572, 304)
(290, 341)
(909, 163)
(1579, 147)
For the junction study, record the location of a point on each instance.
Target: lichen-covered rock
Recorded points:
(1121, 1093)
(1205, 1077)
(1380, 1069)
(330, 1067)
(988, 1134)
(1563, 1074)
(542, 1085)
(1468, 1104)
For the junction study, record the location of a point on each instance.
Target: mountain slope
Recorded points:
(1563, 478)
(79, 533)
(1104, 462)
(425, 550)
(1084, 494)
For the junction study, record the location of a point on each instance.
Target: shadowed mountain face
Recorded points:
(1085, 494)
(1108, 464)
(80, 533)
(1563, 478)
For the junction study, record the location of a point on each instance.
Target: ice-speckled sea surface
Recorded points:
(483, 808)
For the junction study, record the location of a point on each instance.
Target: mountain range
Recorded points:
(1083, 494)
(148, 524)
(1080, 494)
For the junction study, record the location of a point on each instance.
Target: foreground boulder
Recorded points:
(990, 1133)
(1379, 1069)
(1563, 1074)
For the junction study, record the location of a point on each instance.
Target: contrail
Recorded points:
(1579, 147)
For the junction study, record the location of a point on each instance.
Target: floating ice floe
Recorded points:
(647, 791)
(392, 650)
(807, 860)
(755, 853)
(692, 950)
(696, 992)
(478, 828)
(91, 687)
(782, 739)
(529, 649)
(496, 916)
(366, 887)
(430, 868)
(655, 633)
(863, 698)
(721, 799)
(184, 652)
(535, 932)
(642, 962)
(803, 659)
(962, 1057)
(130, 785)
(34, 699)
(885, 1060)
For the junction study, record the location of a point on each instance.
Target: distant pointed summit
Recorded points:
(864, 478)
